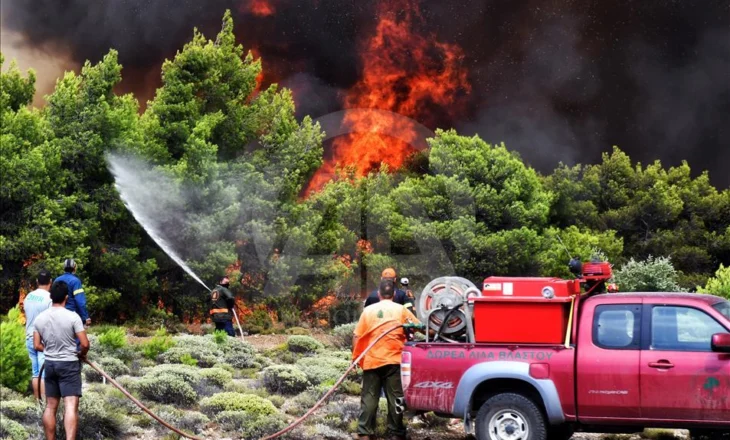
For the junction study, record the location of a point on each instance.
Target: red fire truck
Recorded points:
(541, 358)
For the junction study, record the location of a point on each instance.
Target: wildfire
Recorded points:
(261, 8)
(403, 72)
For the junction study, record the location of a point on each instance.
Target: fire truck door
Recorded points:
(608, 363)
(681, 377)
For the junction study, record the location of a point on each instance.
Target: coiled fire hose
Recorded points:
(294, 424)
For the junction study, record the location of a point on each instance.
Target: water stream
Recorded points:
(143, 193)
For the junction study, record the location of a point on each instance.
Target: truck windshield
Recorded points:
(724, 308)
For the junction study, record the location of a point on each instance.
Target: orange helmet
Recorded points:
(388, 273)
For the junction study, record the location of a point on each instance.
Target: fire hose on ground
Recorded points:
(293, 425)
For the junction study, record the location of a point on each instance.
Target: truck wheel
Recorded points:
(510, 416)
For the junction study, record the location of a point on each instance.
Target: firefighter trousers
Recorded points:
(387, 378)
(227, 327)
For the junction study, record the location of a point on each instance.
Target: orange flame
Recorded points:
(261, 8)
(405, 73)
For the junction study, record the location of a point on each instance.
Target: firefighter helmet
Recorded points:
(388, 273)
(69, 264)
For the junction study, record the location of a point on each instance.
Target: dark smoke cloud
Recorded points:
(557, 80)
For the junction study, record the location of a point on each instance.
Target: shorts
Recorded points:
(63, 378)
(36, 358)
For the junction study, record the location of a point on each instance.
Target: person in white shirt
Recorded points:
(34, 303)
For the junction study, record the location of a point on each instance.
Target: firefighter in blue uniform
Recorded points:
(404, 297)
(76, 301)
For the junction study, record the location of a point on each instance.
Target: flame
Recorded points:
(261, 8)
(403, 72)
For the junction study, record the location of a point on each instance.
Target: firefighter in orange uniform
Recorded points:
(381, 365)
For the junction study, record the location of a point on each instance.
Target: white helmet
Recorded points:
(404, 281)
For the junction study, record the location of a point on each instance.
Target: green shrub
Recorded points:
(319, 431)
(719, 284)
(12, 430)
(181, 354)
(188, 374)
(138, 366)
(230, 401)
(303, 344)
(186, 359)
(258, 322)
(96, 419)
(128, 382)
(115, 399)
(19, 410)
(250, 427)
(113, 367)
(317, 374)
(168, 413)
(193, 421)
(241, 359)
(15, 371)
(343, 335)
(277, 400)
(8, 394)
(298, 331)
(300, 404)
(113, 337)
(142, 332)
(202, 348)
(160, 343)
(339, 412)
(650, 275)
(167, 388)
(351, 388)
(226, 367)
(216, 376)
(220, 337)
(284, 379)
(263, 361)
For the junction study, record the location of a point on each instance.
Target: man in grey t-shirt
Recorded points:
(34, 303)
(55, 334)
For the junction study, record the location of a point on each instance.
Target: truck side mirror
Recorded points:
(721, 342)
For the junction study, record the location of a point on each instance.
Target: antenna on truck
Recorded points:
(564, 247)
(574, 265)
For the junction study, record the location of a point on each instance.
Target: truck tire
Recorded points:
(510, 416)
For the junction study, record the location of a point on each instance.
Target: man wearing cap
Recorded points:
(34, 303)
(221, 306)
(400, 296)
(76, 297)
(381, 365)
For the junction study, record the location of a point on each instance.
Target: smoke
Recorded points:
(155, 201)
(555, 80)
(49, 66)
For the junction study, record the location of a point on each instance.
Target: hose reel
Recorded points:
(443, 306)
